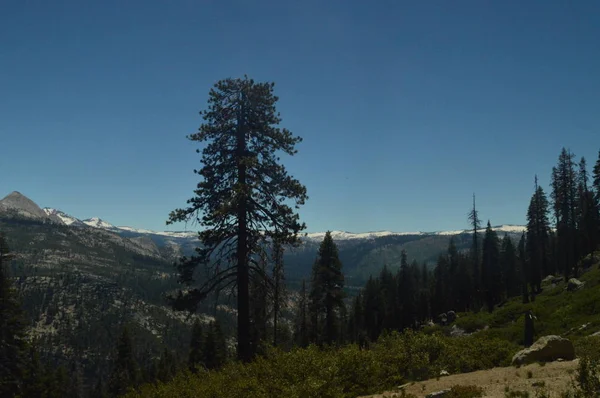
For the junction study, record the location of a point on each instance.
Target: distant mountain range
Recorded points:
(362, 253)
(26, 207)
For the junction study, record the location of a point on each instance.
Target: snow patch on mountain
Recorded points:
(174, 234)
(96, 222)
(343, 235)
(64, 217)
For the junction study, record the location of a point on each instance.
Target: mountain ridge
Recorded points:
(28, 208)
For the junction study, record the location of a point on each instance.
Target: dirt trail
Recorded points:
(553, 378)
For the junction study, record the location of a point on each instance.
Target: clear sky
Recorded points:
(406, 108)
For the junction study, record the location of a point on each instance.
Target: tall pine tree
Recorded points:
(475, 264)
(326, 293)
(125, 370)
(301, 333)
(196, 356)
(588, 220)
(596, 189)
(242, 198)
(406, 293)
(215, 347)
(491, 275)
(524, 267)
(537, 244)
(564, 198)
(508, 264)
(278, 288)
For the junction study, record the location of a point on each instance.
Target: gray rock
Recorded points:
(546, 349)
(451, 315)
(597, 334)
(574, 284)
(442, 318)
(22, 205)
(439, 394)
(548, 279)
(444, 373)
(455, 331)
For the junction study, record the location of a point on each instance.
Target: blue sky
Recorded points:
(406, 108)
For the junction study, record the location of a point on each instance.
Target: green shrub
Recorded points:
(340, 372)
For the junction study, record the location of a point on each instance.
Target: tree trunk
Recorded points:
(275, 310)
(244, 351)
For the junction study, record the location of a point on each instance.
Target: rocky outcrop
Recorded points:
(451, 316)
(574, 284)
(22, 205)
(546, 349)
(439, 394)
(552, 279)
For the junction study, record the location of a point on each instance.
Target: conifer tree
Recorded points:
(259, 291)
(167, 366)
(301, 324)
(588, 219)
(372, 306)
(356, 323)
(278, 288)
(326, 294)
(424, 299)
(406, 293)
(13, 348)
(537, 244)
(596, 189)
(389, 298)
(476, 272)
(491, 276)
(242, 198)
(125, 370)
(99, 390)
(34, 374)
(196, 357)
(76, 382)
(215, 348)
(57, 382)
(524, 267)
(596, 179)
(440, 294)
(564, 198)
(508, 261)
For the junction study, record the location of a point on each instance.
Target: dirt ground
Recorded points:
(552, 378)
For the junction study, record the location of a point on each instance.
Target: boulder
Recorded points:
(439, 394)
(451, 316)
(574, 284)
(444, 373)
(597, 334)
(442, 318)
(455, 331)
(546, 349)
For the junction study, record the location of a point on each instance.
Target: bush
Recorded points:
(340, 372)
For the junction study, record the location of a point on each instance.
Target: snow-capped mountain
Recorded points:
(97, 222)
(343, 235)
(24, 206)
(64, 217)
